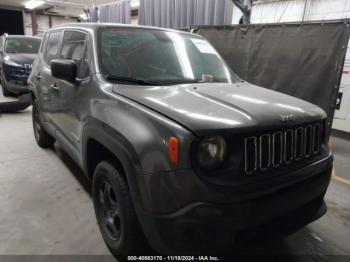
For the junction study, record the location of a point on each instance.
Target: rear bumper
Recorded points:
(217, 228)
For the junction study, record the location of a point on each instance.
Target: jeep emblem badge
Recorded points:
(28, 68)
(287, 118)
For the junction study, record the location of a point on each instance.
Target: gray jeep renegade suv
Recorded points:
(182, 154)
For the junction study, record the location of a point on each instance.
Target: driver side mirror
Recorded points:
(64, 69)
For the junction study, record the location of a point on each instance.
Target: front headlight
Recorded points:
(8, 62)
(211, 152)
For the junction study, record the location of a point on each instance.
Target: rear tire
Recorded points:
(115, 212)
(42, 138)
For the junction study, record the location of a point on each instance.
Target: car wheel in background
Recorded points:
(115, 212)
(42, 138)
(5, 92)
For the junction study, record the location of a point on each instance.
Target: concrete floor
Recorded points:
(45, 206)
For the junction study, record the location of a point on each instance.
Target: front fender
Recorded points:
(143, 131)
(118, 146)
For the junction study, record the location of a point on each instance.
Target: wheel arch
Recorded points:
(101, 142)
(97, 152)
(32, 90)
(32, 94)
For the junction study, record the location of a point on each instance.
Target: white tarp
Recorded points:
(293, 11)
(310, 10)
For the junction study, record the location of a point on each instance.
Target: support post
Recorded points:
(34, 23)
(246, 7)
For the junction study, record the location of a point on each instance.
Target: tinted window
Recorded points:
(74, 48)
(52, 47)
(160, 56)
(22, 45)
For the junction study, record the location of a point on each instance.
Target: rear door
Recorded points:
(65, 97)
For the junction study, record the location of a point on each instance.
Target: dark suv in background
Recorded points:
(182, 154)
(17, 54)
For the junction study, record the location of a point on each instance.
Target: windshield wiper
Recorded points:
(131, 79)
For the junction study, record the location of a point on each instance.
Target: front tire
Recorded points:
(5, 92)
(42, 138)
(115, 212)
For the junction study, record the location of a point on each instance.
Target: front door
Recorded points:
(42, 72)
(65, 95)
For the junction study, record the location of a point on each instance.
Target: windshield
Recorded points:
(160, 57)
(22, 45)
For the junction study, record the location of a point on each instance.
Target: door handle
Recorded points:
(54, 87)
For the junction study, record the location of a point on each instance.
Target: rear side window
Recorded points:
(74, 48)
(53, 44)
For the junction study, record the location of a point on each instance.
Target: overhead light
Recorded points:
(83, 16)
(34, 4)
(134, 4)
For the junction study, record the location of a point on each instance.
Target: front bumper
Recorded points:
(15, 80)
(276, 207)
(17, 87)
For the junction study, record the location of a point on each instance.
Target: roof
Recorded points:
(21, 36)
(95, 26)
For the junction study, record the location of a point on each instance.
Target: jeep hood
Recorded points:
(22, 58)
(218, 107)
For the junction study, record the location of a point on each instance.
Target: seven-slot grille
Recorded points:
(271, 150)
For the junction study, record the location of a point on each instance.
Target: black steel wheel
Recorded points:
(115, 212)
(42, 138)
(110, 210)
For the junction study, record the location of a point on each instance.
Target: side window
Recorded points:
(53, 44)
(1, 43)
(74, 48)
